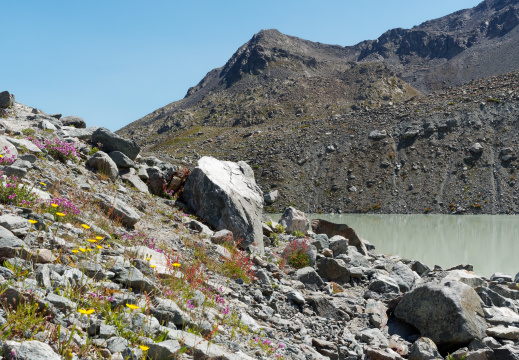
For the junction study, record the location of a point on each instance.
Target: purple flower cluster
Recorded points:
(7, 159)
(66, 206)
(60, 148)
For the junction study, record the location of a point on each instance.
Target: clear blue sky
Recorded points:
(112, 62)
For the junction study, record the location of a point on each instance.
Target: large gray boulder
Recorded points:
(320, 226)
(103, 164)
(118, 209)
(295, 220)
(225, 194)
(448, 314)
(74, 121)
(113, 142)
(6, 99)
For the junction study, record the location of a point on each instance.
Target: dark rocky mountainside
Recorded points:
(302, 113)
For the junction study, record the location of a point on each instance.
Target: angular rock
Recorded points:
(448, 314)
(466, 277)
(74, 121)
(296, 297)
(491, 298)
(501, 316)
(103, 164)
(333, 270)
(476, 148)
(6, 99)
(131, 277)
(324, 307)
(122, 161)
(295, 220)
(270, 197)
(13, 171)
(130, 176)
(504, 332)
(113, 142)
(167, 349)
(377, 134)
(167, 311)
(60, 302)
(7, 150)
(225, 194)
(331, 229)
(43, 276)
(32, 350)
(339, 245)
(377, 313)
(118, 209)
(424, 349)
(310, 278)
(500, 277)
(117, 344)
(321, 242)
(82, 134)
(404, 276)
(384, 284)
(507, 352)
(16, 224)
(23, 143)
(10, 245)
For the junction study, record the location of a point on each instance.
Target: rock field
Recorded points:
(101, 257)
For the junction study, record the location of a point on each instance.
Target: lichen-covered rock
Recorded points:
(295, 220)
(448, 314)
(225, 194)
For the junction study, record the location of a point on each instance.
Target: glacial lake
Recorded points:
(489, 242)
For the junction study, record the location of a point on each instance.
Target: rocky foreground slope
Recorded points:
(95, 266)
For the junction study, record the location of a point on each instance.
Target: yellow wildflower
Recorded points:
(132, 306)
(60, 214)
(144, 347)
(42, 183)
(92, 240)
(33, 221)
(176, 264)
(54, 205)
(82, 249)
(88, 249)
(86, 311)
(75, 251)
(99, 247)
(99, 237)
(85, 226)
(153, 266)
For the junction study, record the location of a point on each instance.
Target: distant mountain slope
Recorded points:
(300, 112)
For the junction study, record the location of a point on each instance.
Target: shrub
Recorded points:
(296, 253)
(28, 132)
(298, 234)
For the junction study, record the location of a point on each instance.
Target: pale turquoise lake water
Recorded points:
(489, 242)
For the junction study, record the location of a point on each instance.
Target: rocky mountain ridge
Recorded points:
(301, 113)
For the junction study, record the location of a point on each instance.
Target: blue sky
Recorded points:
(112, 62)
